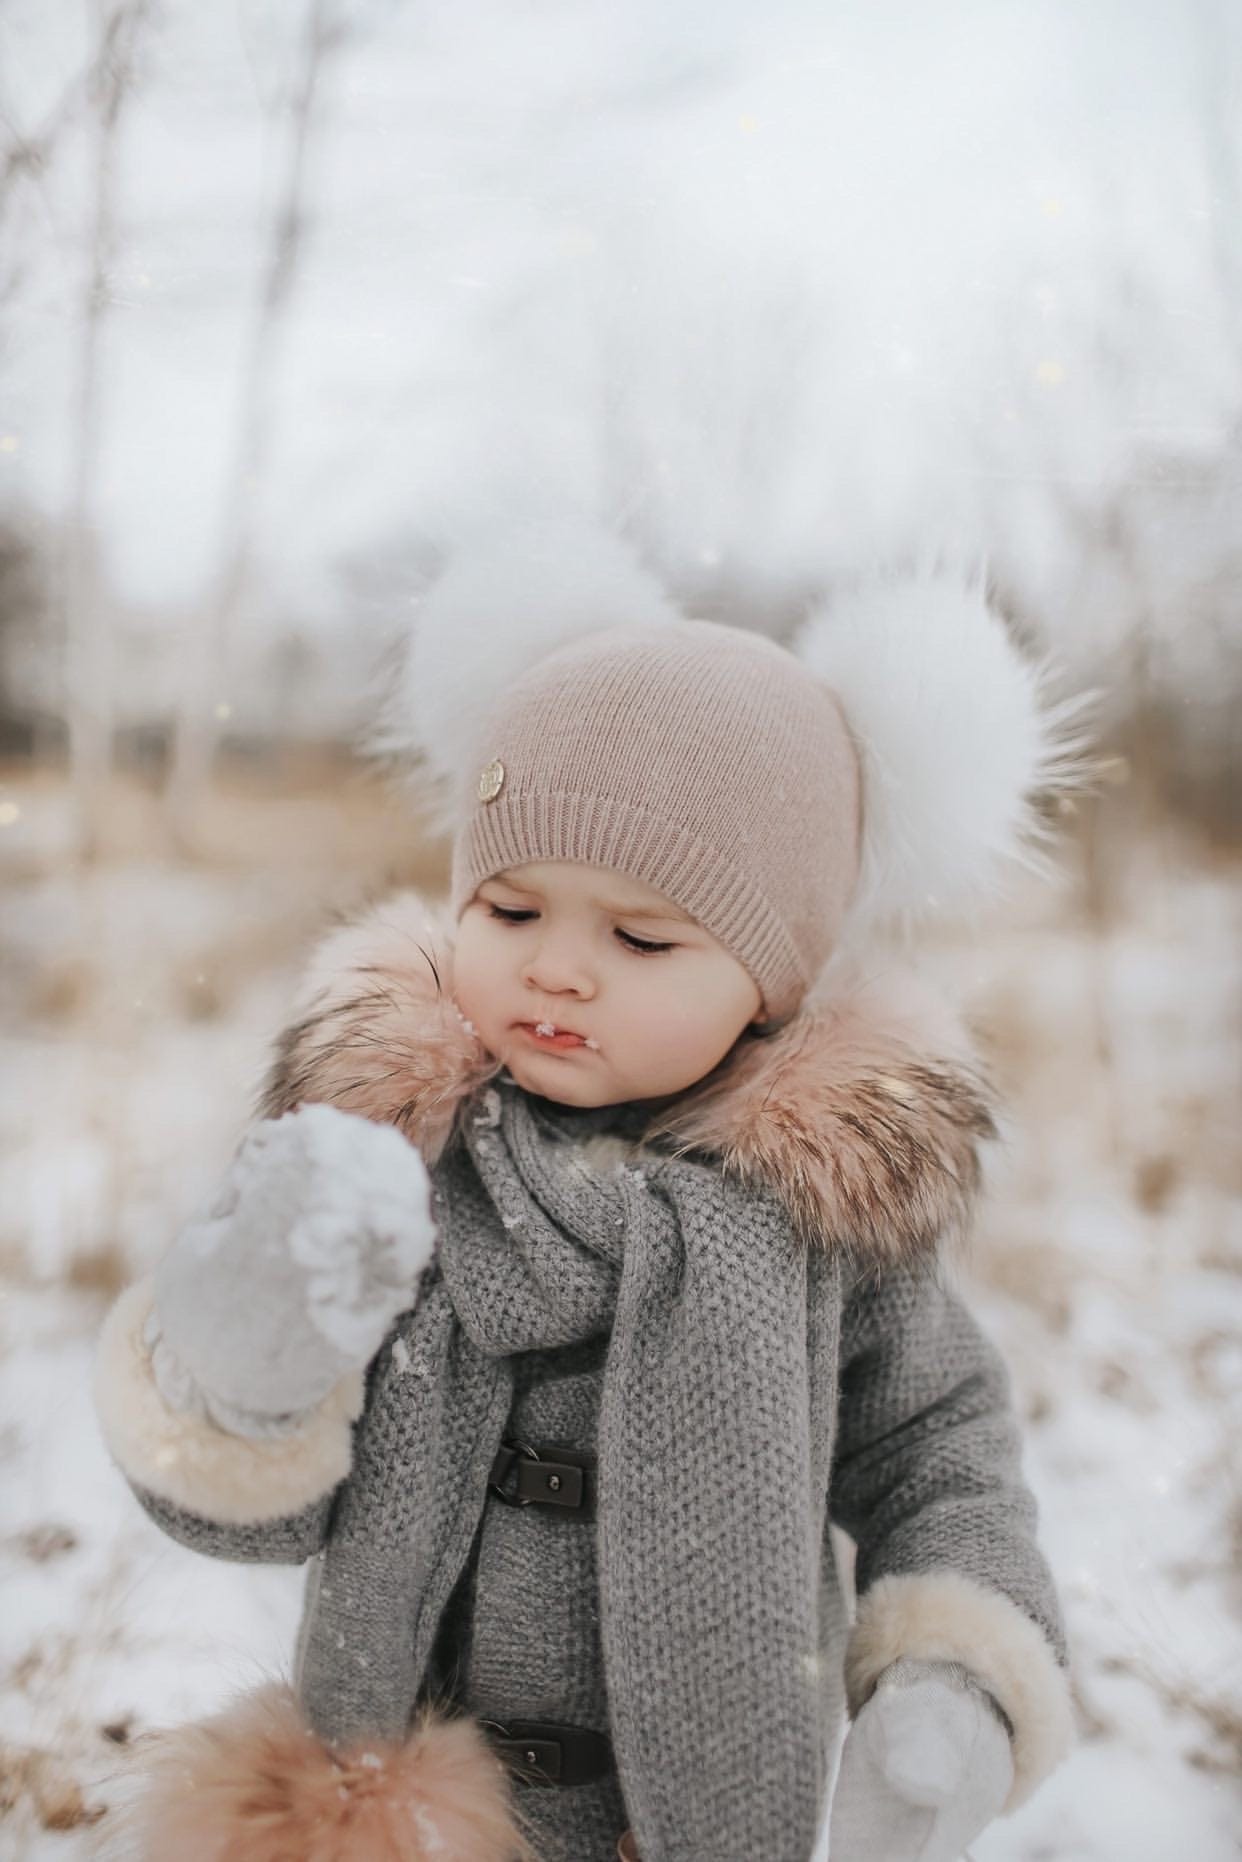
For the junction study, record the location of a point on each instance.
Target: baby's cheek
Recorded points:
(471, 994)
(677, 1029)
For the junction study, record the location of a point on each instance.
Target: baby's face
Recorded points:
(655, 1000)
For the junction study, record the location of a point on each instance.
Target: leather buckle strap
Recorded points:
(559, 1477)
(541, 1752)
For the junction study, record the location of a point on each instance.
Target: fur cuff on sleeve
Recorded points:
(943, 1616)
(187, 1460)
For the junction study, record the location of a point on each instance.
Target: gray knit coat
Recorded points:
(914, 1453)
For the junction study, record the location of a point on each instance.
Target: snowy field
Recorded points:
(140, 997)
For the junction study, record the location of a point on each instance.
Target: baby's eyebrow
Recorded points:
(670, 912)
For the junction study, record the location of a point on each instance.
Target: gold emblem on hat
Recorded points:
(491, 780)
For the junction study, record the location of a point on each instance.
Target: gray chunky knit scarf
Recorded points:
(710, 1509)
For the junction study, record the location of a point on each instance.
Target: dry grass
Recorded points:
(42, 1784)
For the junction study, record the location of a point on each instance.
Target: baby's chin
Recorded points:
(557, 1081)
(568, 1092)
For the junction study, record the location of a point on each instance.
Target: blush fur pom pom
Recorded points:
(254, 1784)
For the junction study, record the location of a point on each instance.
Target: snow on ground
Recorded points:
(139, 999)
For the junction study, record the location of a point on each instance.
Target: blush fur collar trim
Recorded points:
(864, 1114)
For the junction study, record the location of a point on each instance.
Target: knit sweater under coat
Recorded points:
(915, 1454)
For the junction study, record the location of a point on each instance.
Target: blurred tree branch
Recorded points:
(207, 662)
(88, 645)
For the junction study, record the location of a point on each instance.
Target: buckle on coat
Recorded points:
(525, 1476)
(541, 1752)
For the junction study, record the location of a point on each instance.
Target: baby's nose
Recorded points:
(557, 967)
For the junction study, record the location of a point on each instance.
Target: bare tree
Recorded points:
(197, 727)
(88, 640)
(30, 152)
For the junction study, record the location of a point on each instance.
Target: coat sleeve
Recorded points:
(256, 1502)
(927, 1481)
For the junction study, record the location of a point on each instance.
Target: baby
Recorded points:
(584, 1267)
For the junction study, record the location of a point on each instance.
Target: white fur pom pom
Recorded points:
(955, 739)
(499, 607)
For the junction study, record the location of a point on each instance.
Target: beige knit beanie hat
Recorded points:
(702, 759)
(795, 800)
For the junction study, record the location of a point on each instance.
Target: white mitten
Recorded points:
(313, 1244)
(925, 1767)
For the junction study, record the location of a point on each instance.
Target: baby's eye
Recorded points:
(511, 915)
(641, 945)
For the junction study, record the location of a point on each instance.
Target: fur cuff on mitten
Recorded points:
(946, 1617)
(183, 1457)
